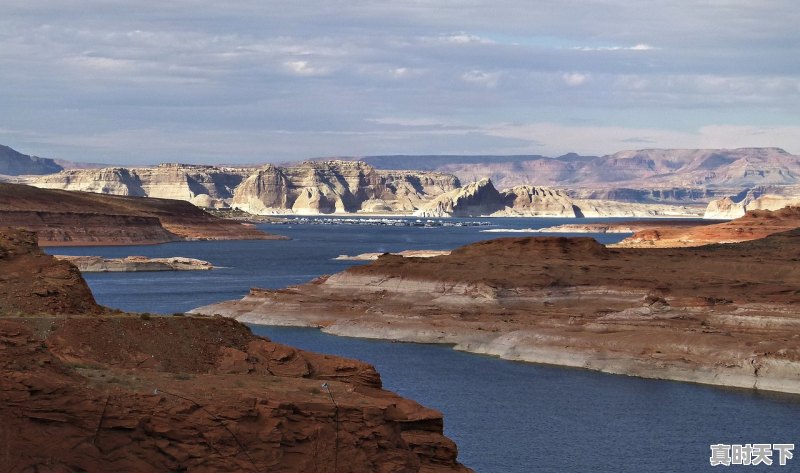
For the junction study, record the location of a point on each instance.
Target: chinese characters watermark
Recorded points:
(751, 454)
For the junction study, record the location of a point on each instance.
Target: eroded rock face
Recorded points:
(204, 186)
(96, 392)
(307, 188)
(186, 394)
(754, 225)
(81, 218)
(325, 187)
(477, 198)
(482, 199)
(98, 264)
(32, 282)
(753, 199)
(717, 314)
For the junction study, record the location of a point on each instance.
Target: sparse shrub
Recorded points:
(146, 316)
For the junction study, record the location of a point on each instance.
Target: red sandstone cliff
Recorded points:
(132, 393)
(81, 218)
(753, 225)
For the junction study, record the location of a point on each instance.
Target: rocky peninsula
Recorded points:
(70, 218)
(723, 314)
(753, 225)
(98, 264)
(128, 392)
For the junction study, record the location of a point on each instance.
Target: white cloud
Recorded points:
(305, 68)
(486, 79)
(636, 47)
(574, 79)
(191, 66)
(465, 38)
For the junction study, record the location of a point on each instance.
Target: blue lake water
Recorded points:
(506, 417)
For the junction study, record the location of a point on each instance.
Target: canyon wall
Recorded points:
(758, 198)
(83, 388)
(481, 198)
(305, 188)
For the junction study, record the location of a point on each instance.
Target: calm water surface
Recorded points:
(506, 417)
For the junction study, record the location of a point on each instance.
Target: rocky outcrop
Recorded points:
(141, 393)
(482, 199)
(32, 282)
(531, 201)
(573, 302)
(187, 394)
(759, 198)
(204, 186)
(98, 264)
(307, 188)
(404, 254)
(14, 163)
(756, 224)
(474, 199)
(325, 187)
(67, 218)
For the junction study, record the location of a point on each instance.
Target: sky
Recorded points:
(251, 81)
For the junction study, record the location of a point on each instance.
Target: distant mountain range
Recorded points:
(649, 176)
(14, 163)
(685, 170)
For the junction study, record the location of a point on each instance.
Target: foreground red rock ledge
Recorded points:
(103, 392)
(718, 314)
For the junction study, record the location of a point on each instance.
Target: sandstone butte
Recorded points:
(69, 218)
(85, 389)
(723, 314)
(344, 187)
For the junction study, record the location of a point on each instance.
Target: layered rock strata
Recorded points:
(337, 187)
(98, 264)
(481, 198)
(306, 188)
(671, 176)
(96, 392)
(719, 314)
(761, 198)
(754, 225)
(34, 282)
(67, 218)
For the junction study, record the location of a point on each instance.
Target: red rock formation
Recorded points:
(80, 218)
(185, 394)
(718, 314)
(154, 394)
(754, 225)
(33, 282)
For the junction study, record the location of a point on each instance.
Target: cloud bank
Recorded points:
(255, 81)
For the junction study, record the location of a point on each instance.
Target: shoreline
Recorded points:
(571, 302)
(561, 359)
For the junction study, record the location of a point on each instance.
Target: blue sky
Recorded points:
(271, 81)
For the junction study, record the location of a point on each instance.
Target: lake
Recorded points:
(506, 417)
